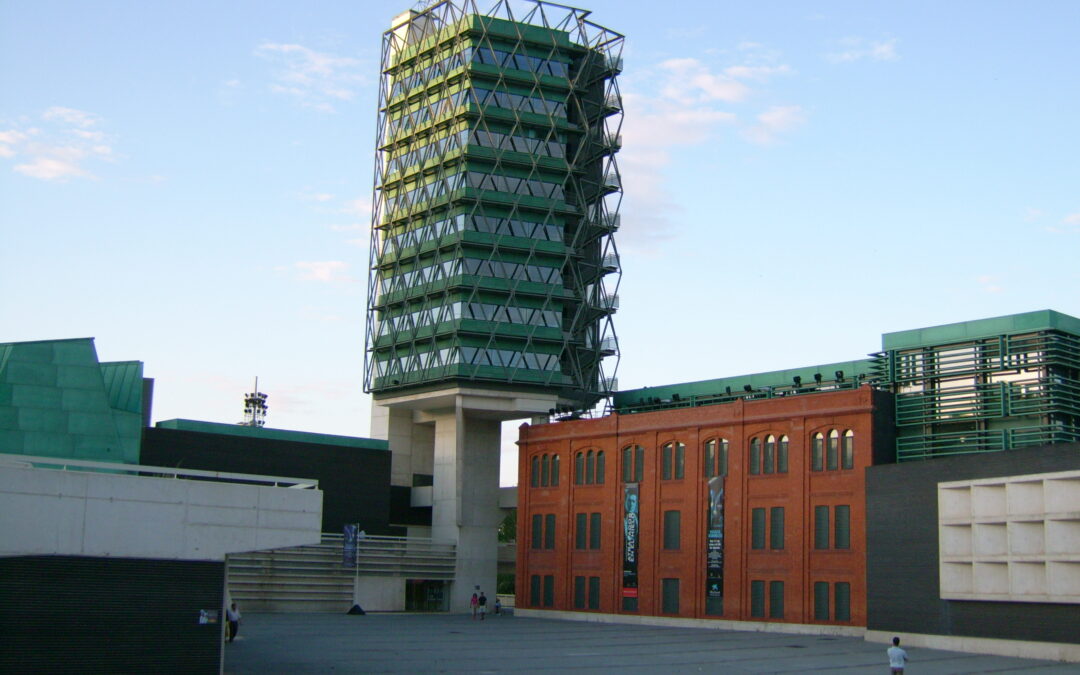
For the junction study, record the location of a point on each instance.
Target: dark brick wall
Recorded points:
(355, 481)
(63, 614)
(902, 551)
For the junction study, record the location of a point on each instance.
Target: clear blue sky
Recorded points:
(189, 182)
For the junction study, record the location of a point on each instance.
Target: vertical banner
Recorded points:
(348, 548)
(630, 542)
(714, 536)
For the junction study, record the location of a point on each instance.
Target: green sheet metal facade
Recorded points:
(492, 256)
(57, 400)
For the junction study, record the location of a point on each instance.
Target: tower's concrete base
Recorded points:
(454, 435)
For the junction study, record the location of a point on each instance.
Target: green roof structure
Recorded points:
(57, 400)
(492, 256)
(273, 434)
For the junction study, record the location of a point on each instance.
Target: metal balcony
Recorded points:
(608, 346)
(610, 263)
(612, 182)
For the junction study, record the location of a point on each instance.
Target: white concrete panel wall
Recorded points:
(52, 512)
(380, 594)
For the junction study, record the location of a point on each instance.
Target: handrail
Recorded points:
(62, 464)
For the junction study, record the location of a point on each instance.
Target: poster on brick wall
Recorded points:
(630, 541)
(714, 536)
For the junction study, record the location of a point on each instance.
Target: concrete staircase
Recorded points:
(298, 579)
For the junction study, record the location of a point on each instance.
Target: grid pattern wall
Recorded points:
(492, 257)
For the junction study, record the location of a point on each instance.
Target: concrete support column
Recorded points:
(466, 499)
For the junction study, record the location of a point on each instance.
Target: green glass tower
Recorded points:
(492, 257)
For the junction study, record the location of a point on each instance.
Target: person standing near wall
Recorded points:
(897, 657)
(232, 615)
(482, 601)
(473, 602)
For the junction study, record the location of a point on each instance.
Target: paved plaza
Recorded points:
(454, 643)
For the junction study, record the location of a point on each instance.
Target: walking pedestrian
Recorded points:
(897, 657)
(473, 603)
(483, 605)
(232, 615)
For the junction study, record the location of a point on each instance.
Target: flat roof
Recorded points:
(273, 434)
(963, 331)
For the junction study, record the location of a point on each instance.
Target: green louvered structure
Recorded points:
(57, 400)
(493, 261)
(983, 386)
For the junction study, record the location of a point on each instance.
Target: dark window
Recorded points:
(579, 592)
(534, 590)
(832, 450)
(629, 604)
(580, 534)
(672, 526)
(590, 468)
(549, 530)
(757, 599)
(600, 467)
(554, 470)
(757, 529)
(594, 592)
(843, 601)
(755, 456)
(847, 460)
(680, 461)
(670, 600)
(722, 456)
(666, 460)
(776, 528)
(537, 530)
(594, 531)
(579, 468)
(770, 455)
(821, 601)
(633, 463)
(545, 471)
(817, 450)
(782, 455)
(821, 527)
(842, 536)
(710, 458)
(776, 599)
(534, 475)
(549, 590)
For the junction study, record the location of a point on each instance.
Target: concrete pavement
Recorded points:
(454, 643)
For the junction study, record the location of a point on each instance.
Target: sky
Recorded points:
(190, 184)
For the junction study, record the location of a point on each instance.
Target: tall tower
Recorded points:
(493, 271)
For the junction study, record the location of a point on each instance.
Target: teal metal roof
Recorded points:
(274, 434)
(737, 384)
(964, 331)
(124, 384)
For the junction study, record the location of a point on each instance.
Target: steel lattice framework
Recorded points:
(496, 198)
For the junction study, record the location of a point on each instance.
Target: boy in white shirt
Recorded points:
(897, 657)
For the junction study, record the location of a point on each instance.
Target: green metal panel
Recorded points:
(811, 379)
(495, 183)
(54, 402)
(274, 434)
(982, 328)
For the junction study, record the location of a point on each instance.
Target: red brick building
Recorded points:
(787, 540)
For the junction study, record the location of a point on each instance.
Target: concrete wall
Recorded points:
(78, 513)
(380, 594)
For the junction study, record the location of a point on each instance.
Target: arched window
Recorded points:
(770, 454)
(847, 459)
(579, 468)
(545, 470)
(600, 467)
(554, 470)
(755, 455)
(782, 455)
(832, 450)
(817, 452)
(633, 468)
(534, 476)
(590, 468)
(674, 460)
(716, 457)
